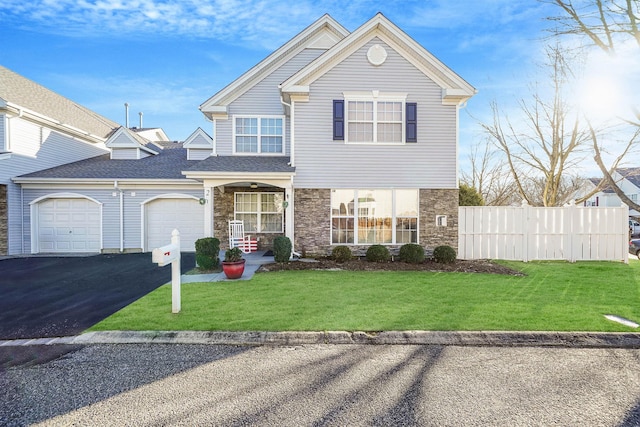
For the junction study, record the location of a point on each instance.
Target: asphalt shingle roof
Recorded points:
(632, 174)
(244, 164)
(25, 93)
(168, 164)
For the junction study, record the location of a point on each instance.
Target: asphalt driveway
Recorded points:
(61, 296)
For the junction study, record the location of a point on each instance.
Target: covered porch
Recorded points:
(257, 190)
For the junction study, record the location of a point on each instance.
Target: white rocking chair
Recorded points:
(237, 238)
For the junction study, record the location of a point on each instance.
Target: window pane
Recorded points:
(389, 111)
(360, 132)
(407, 203)
(246, 144)
(271, 144)
(360, 111)
(342, 230)
(342, 202)
(247, 126)
(406, 230)
(250, 222)
(246, 202)
(375, 216)
(271, 222)
(389, 132)
(271, 203)
(271, 126)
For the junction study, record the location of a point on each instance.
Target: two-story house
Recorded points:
(336, 138)
(628, 179)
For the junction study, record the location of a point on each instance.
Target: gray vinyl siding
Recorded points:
(323, 163)
(54, 150)
(262, 99)
(124, 153)
(110, 212)
(198, 154)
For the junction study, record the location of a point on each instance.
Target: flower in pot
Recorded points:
(233, 264)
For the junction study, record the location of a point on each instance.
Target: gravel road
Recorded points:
(321, 385)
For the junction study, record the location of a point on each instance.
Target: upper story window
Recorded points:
(258, 135)
(373, 117)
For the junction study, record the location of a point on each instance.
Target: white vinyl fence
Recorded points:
(527, 233)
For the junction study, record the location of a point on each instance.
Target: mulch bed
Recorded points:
(464, 266)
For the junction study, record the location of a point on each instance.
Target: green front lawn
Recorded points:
(554, 296)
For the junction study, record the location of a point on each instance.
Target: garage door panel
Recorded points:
(68, 225)
(165, 215)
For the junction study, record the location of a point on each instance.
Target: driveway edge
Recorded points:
(446, 338)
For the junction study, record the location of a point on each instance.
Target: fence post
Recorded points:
(525, 231)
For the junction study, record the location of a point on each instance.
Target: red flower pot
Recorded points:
(233, 269)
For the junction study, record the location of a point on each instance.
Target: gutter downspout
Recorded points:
(292, 150)
(115, 185)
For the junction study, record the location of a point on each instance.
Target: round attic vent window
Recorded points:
(376, 54)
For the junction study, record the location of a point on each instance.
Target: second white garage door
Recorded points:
(165, 215)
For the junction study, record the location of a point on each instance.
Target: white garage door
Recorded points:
(165, 215)
(68, 225)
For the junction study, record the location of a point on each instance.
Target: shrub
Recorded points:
(444, 254)
(281, 249)
(233, 255)
(208, 253)
(378, 253)
(411, 253)
(341, 254)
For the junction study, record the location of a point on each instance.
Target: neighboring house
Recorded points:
(38, 129)
(336, 138)
(628, 179)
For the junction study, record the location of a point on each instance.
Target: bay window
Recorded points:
(364, 217)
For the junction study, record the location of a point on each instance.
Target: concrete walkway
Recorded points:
(253, 261)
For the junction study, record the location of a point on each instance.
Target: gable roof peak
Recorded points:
(310, 37)
(455, 89)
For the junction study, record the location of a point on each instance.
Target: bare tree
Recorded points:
(489, 176)
(604, 24)
(542, 147)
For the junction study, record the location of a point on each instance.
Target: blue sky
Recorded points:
(167, 57)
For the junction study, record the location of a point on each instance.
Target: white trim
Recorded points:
(33, 211)
(259, 134)
(143, 204)
(64, 196)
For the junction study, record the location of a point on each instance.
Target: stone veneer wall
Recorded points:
(223, 204)
(4, 219)
(312, 214)
(313, 221)
(438, 202)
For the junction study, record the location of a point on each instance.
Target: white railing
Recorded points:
(527, 233)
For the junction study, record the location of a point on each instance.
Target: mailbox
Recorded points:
(165, 254)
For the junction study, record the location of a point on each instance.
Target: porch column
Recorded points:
(208, 212)
(288, 197)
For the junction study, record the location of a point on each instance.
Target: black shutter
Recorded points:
(338, 120)
(412, 121)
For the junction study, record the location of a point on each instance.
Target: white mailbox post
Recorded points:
(171, 254)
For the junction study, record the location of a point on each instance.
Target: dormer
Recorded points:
(126, 145)
(152, 134)
(199, 145)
